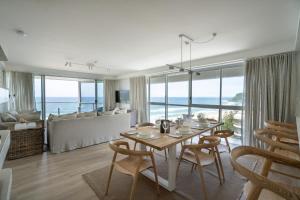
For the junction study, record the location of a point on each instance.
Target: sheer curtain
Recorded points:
(269, 92)
(21, 92)
(138, 97)
(109, 94)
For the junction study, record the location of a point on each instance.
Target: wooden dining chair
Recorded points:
(203, 154)
(133, 164)
(225, 134)
(273, 139)
(284, 127)
(145, 124)
(261, 184)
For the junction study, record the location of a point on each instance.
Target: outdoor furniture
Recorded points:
(194, 154)
(133, 164)
(164, 141)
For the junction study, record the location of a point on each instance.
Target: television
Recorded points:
(122, 96)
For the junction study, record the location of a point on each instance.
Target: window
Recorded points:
(206, 88)
(100, 96)
(87, 96)
(157, 98)
(38, 93)
(216, 93)
(62, 95)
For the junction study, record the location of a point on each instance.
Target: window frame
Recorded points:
(190, 104)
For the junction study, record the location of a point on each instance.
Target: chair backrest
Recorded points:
(281, 126)
(145, 124)
(115, 146)
(258, 180)
(272, 138)
(225, 132)
(210, 142)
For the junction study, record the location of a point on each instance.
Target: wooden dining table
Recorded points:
(163, 141)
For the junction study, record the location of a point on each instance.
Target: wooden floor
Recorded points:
(57, 176)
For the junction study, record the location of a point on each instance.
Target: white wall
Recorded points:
(123, 84)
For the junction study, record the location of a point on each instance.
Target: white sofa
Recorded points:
(66, 135)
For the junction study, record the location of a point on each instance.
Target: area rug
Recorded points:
(188, 184)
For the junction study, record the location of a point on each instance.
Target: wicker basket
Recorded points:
(26, 142)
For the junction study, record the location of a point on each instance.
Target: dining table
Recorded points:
(169, 141)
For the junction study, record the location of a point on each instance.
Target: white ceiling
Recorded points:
(130, 35)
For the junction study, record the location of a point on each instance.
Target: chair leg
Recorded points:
(193, 165)
(180, 158)
(220, 164)
(135, 178)
(166, 157)
(200, 171)
(227, 143)
(109, 178)
(134, 145)
(218, 169)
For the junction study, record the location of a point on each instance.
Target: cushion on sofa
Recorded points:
(52, 117)
(29, 116)
(87, 114)
(8, 117)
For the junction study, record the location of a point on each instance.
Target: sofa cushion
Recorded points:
(8, 117)
(52, 117)
(29, 116)
(108, 112)
(87, 114)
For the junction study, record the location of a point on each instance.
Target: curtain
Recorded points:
(138, 97)
(269, 92)
(20, 86)
(109, 94)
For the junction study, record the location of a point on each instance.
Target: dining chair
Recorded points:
(134, 163)
(145, 124)
(273, 139)
(203, 154)
(262, 186)
(225, 134)
(283, 127)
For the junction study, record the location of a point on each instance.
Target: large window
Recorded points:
(87, 96)
(62, 95)
(217, 93)
(100, 95)
(67, 95)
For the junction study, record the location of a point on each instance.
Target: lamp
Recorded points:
(188, 41)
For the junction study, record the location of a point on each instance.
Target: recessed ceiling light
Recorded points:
(20, 32)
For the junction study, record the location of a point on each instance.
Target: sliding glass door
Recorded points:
(100, 96)
(157, 96)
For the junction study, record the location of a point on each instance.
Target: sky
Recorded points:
(200, 88)
(62, 88)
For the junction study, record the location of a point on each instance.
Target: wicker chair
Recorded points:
(133, 164)
(260, 181)
(194, 154)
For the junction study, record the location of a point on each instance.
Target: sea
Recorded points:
(64, 105)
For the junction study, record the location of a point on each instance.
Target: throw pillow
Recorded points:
(87, 114)
(30, 116)
(108, 113)
(8, 117)
(67, 116)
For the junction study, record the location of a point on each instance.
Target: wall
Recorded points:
(1, 78)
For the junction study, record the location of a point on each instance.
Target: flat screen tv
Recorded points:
(122, 96)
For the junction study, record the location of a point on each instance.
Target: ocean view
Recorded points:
(70, 105)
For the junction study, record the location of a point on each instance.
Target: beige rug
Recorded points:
(187, 187)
